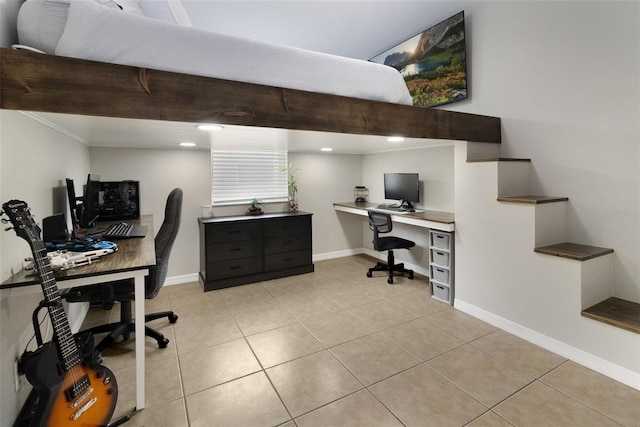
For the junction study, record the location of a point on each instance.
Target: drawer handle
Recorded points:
(235, 267)
(439, 270)
(288, 259)
(234, 231)
(439, 237)
(235, 249)
(287, 242)
(440, 253)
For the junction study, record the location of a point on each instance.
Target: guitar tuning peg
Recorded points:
(8, 228)
(4, 221)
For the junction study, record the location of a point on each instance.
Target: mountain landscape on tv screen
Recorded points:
(435, 71)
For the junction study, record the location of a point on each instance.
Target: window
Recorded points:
(238, 176)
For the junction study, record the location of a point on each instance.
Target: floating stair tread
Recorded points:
(617, 312)
(532, 200)
(497, 159)
(573, 251)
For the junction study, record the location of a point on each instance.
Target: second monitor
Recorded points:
(403, 187)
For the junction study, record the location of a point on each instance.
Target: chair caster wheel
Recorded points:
(369, 274)
(411, 275)
(173, 318)
(125, 337)
(163, 343)
(390, 281)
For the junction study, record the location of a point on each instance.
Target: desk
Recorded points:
(441, 243)
(131, 261)
(436, 220)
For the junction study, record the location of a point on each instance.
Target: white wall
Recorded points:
(159, 171)
(322, 180)
(563, 76)
(34, 162)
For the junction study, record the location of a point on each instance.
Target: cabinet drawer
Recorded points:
(296, 242)
(287, 226)
(440, 257)
(287, 260)
(234, 250)
(232, 232)
(233, 268)
(440, 240)
(440, 274)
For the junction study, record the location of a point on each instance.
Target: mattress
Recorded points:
(96, 30)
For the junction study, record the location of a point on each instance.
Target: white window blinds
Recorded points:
(238, 176)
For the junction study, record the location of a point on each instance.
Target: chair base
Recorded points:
(390, 266)
(127, 327)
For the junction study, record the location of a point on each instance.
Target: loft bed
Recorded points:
(149, 87)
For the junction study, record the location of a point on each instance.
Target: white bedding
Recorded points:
(96, 32)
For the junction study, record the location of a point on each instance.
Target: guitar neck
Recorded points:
(62, 331)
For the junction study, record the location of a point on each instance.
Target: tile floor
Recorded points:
(335, 348)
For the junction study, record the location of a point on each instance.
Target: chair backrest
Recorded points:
(164, 242)
(379, 222)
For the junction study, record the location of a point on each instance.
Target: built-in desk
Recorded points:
(441, 242)
(435, 220)
(132, 260)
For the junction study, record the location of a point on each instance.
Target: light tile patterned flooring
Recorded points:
(335, 348)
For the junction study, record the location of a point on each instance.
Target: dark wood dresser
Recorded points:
(236, 250)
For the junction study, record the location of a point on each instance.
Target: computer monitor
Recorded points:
(74, 208)
(404, 187)
(90, 202)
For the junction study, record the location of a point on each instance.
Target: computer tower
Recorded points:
(119, 200)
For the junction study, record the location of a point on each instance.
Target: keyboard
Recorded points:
(395, 208)
(118, 230)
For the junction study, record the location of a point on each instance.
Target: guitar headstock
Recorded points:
(23, 223)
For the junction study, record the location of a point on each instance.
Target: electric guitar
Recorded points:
(71, 391)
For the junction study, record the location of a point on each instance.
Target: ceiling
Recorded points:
(357, 29)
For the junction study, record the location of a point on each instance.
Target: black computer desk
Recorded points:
(131, 261)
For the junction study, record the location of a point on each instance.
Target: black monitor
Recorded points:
(75, 209)
(90, 202)
(404, 187)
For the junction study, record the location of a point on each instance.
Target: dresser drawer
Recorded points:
(296, 242)
(287, 260)
(287, 226)
(233, 268)
(234, 250)
(232, 232)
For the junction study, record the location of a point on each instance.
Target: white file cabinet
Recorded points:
(441, 257)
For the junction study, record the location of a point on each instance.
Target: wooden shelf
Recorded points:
(617, 312)
(532, 200)
(573, 251)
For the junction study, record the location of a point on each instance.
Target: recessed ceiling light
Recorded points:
(187, 144)
(395, 139)
(326, 149)
(210, 127)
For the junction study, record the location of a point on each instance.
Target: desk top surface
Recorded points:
(132, 254)
(435, 216)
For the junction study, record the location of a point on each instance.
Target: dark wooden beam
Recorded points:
(34, 82)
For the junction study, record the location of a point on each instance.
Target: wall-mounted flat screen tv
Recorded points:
(433, 63)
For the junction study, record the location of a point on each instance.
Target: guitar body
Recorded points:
(56, 407)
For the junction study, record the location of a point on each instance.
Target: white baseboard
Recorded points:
(611, 370)
(337, 254)
(185, 278)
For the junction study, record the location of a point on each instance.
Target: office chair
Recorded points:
(380, 222)
(106, 294)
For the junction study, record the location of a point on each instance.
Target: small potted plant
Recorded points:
(255, 209)
(293, 188)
